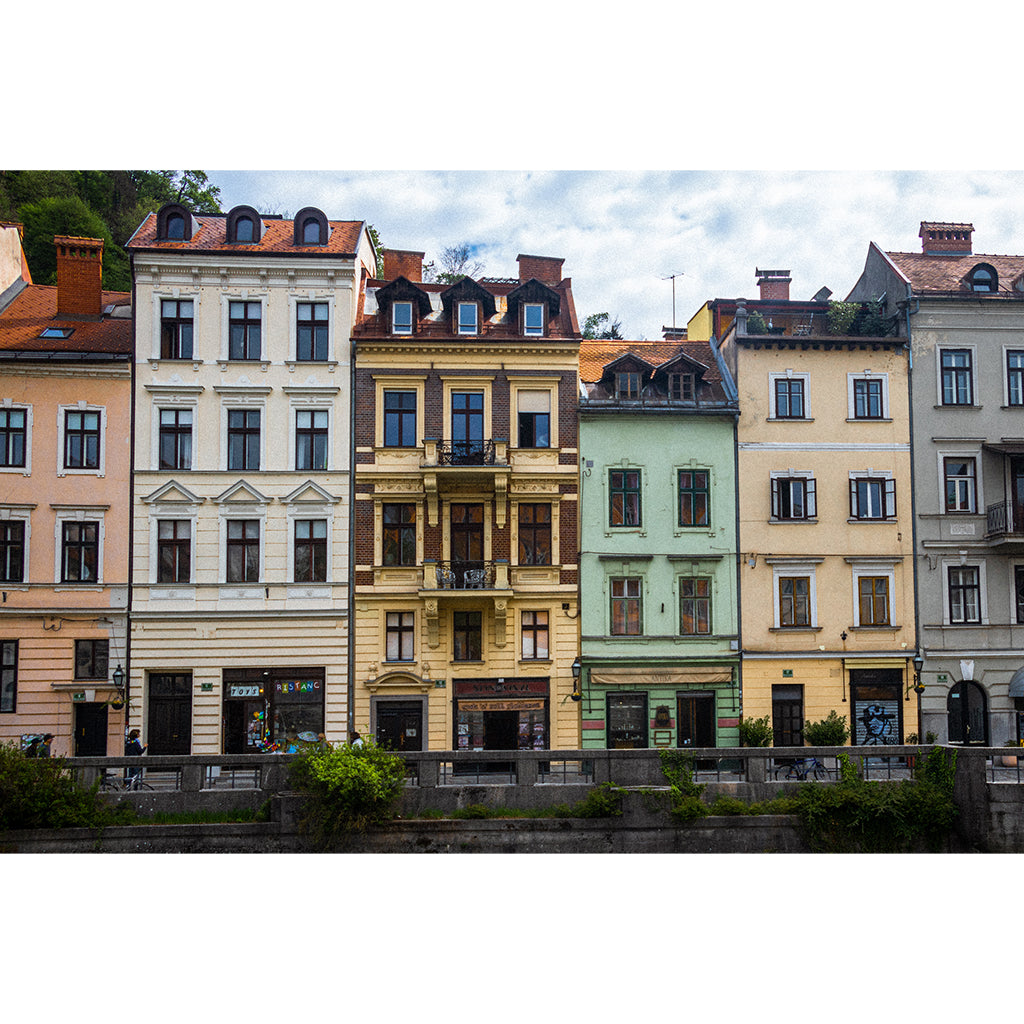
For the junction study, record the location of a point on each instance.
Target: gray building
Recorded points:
(963, 313)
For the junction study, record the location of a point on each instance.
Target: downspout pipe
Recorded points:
(907, 312)
(131, 517)
(351, 586)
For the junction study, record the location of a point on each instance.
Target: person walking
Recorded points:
(32, 750)
(133, 747)
(357, 740)
(44, 747)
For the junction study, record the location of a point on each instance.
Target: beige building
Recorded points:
(65, 427)
(240, 634)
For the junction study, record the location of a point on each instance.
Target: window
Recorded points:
(311, 439)
(682, 387)
(984, 279)
(245, 230)
(175, 227)
(466, 633)
(627, 385)
(1018, 590)
(1015, 378)
(8, 675)
(873, 600)
(694, 605)
(468, 318)
(961, 490)
(398, 541)
(957, 387)
(626, 619)
(964, 594)
(80, 549)
(534, 534)
(175, 438)
(467, 425)
(789, 398)
(868, 398)
(310, 550)
(311, 331)
(628, 719)
(173, 551)
(91, 659)
(311, 232)
(794, 601)
(872, 497)
(400, 634)
(244, 324)
(243, 550)
(533, 319)
(176, 319)
(793, 498)
(13, 436)
(401, 318)
(81, 439)
(535, 636)
(624, 491)
(693, 497)
(400, 419)
(534, 419)
(12, 551)
(243, 439)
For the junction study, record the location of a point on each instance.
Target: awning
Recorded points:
(1017, 683)
(1008, 446)
(660, 676)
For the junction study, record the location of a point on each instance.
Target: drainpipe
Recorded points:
(131, 522)
(913, 496)
(351, 586)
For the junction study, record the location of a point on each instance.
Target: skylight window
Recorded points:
(56, 332)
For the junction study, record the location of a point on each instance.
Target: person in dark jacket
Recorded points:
(32, 750)
(44, 747)
(133, 747)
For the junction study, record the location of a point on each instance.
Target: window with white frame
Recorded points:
(868, 396)
(8, 676)
(789, 396)
(401, 318)
(173, 550)
(311, 438)
(535, 636)
(963, 594)
(81, 439)
(399, 629)
(12, 550)
(175, 441)
(874, 588)
(177, 318)
(245, 326)
(872, 496)
(312, 331)
(79, 551)
(960, 483)
(533, 319)
(795, 595)
(1014, 377)
(469, 315)
(14, 438)
(956, 376)
(243, 551)
(534, 418)
(310, 558)
(793, 496)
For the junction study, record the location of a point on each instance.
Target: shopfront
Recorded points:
(876, 706)
(276, 709)
(501, 714)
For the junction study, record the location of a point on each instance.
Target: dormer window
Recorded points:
(983, 278)
(310, 227)
(533, 319)
(244, 229)
(468, 318)
(244, 226)
(682, 387)
(401, 318)
(627, 385)
(174, 223)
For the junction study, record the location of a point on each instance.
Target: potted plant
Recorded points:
(911, 758)
(1009, 760)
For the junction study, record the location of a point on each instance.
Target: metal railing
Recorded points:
(465, 453)
(456, 575)
(1000, 520)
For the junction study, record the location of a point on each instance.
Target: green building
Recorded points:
(658, 578)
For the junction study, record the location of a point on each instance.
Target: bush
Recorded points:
(684, 794)
(603, 802)
(841, 315)
(829, 732)
(755, 732)
(42, 793)
(346, 789)
(756, 324)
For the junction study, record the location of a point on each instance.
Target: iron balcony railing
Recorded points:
(456, 575)
(1001, 521)
(465, 453)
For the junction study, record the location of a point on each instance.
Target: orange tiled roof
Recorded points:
(35, 308)
(211, 236)
(945, 272)
(596, 355)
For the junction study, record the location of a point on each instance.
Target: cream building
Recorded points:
(240, 636)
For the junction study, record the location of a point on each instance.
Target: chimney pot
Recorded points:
(774, 284)
(403, 263)
(546, 269)
(938, 236)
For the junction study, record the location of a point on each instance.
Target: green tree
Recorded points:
(69, 215)
(600, 327)
(454, 263)
(375, 238)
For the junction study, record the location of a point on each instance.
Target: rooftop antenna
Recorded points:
(672, 278)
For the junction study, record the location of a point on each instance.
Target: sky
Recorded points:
(624, 235)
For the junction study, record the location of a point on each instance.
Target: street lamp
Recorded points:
(576, 694)
(918, 666)
(119, 686)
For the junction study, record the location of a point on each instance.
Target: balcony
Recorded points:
(465, 575)
(1004, 523)
(451, 465)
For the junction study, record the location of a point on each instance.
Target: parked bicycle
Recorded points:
(110, 783)
(801, 768)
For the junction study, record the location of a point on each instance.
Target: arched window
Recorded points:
(174, 223)
(244, 225)
(310, 227)
(983, 278)
(244, 229)
(967, 713)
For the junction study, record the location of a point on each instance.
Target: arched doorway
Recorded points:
(967, 711)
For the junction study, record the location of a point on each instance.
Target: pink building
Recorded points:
(65, 464)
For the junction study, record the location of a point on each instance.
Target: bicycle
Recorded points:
(800, 768)
(112, 784)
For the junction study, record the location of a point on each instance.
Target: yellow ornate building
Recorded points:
(466, 483)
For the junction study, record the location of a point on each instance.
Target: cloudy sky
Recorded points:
(623, 234)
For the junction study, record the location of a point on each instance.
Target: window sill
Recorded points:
(535, 661)
(875, 629)
(795, 629)
(293, 363)
(977, 408)
(790, 419)
(792, 522)
(466, 661)
(891, 522)
(868, 419)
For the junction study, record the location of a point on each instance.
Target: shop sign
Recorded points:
(245, 690)
(501, 705)
(500, 687)
(78, 697)
(297, 689)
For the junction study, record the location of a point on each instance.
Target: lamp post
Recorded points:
(119, 686)
(576, 694)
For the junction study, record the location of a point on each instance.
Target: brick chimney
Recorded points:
(403, 263)
(79, 276)
(547, 269)
(774, 284)
(954, 238)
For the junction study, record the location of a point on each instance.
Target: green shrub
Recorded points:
(840, 316)
(756, 324)
(346, 789)
(42, 793)
(756, 732)
(829, 732)
(685, 795)
(603, 802)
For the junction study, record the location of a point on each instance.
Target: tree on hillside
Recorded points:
(69, 216)
(596, 327)
(375, 238)
(454, 263)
